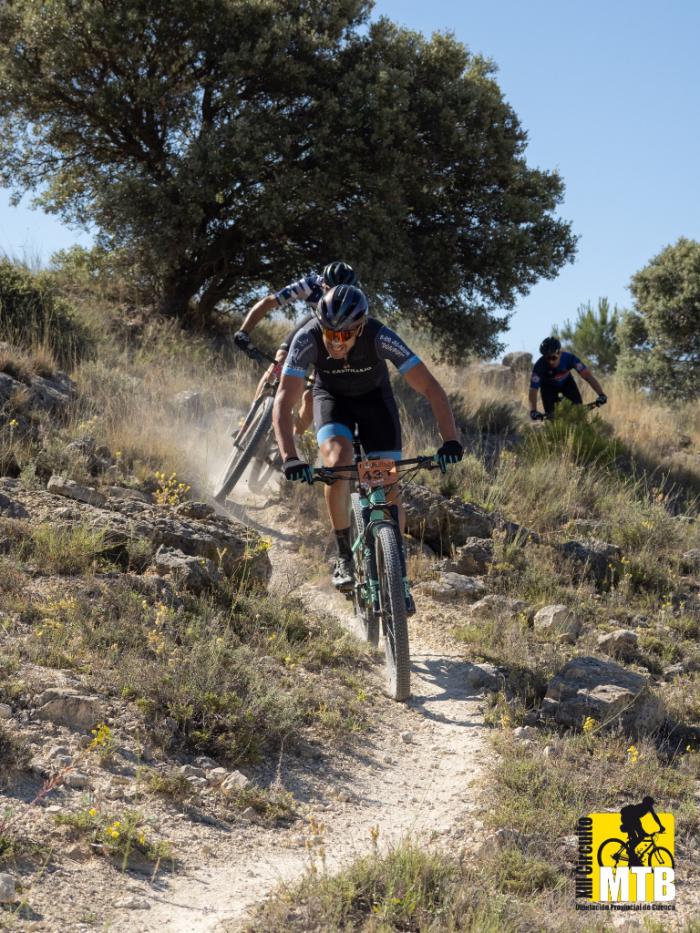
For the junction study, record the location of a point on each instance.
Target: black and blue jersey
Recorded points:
(362, 371)
(553, 377)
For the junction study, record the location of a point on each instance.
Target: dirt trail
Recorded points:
(416, 775)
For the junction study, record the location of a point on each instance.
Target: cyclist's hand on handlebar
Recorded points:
(297, 470)
(241, 339)
(281, 355)
(536, 415)
(450, 452)
(602, 399)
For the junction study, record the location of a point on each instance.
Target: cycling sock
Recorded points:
(342, 541)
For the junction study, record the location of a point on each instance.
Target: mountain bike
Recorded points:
(381, 593)
(588, 406)
(617, 852)
(253, 439)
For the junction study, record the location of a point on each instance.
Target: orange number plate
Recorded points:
(377, 472)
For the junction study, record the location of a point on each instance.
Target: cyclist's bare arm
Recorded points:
(258, 312)
(532, 396)
(288, 396)
(422, 380)
(592, 382)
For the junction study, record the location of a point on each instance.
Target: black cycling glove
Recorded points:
(602, 399)
(297, 470)
(241, 339)
(450, 452)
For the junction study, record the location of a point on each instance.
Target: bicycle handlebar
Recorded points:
(588, 406)
(256, 354)
(327, 474)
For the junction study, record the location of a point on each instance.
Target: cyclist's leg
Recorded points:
(569, 390)
(550, 397)
(380, 432)
(334, 436)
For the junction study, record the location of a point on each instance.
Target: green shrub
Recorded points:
(33, 315)
(586, 439)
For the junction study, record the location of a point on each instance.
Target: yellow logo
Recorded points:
(626, 859)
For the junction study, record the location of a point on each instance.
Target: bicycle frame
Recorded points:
(376, 511)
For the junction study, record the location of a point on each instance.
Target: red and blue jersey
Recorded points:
(545, 375)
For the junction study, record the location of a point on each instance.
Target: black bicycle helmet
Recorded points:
(648, 801)
(549, 346)
(341, 308)
(339, 273)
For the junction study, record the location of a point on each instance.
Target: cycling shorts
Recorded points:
(375, 414)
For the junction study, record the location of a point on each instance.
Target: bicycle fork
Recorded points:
(372, 517)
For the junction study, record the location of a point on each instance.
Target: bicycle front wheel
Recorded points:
(660, 857)
(246, 450)
(367, 621)
(392, 601)
(613, 853)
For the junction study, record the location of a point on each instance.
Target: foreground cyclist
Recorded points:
(349, 350)
(551, 376)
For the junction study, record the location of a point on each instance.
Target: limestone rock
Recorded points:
(598, 560)
(66, 487)
(621, 643)
(196, 574)
(557, 619)
(690, 561)
(52, 394)
(443, 523)
(11, 509)
(495, 606)
(474, 556)
(518, 361)
(234, 783)
(189, 771)
(77, 780)
(450, 587)
(494, 374)
(7, 887)
(67, 708)
(605, 691)
(484, 677)
(122, 493)
(525, 733)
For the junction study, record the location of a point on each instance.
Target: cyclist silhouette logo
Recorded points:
(631, 817)
(626, 856)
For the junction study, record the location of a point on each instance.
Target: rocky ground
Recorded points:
(417, 770)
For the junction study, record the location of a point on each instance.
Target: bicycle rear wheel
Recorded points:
(246, 450)
(613, 852)
(392, 600)
(367, 621)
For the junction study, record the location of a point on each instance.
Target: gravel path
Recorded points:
(415, 776)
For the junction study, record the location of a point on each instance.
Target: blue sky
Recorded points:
(609, 93)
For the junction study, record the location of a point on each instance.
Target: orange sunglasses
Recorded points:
(341, 336)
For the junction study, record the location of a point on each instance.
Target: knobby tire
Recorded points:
(660, 857)
(367, 621)
(613, 845)
(242, 455)
(392, 599)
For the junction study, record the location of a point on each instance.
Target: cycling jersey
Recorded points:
(310, 289)
(287, 342)
(543, 374)
(363, 370)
